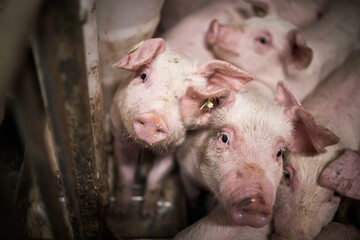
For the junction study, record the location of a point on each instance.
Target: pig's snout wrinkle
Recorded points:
(211, 36)
(252, 211)
(150, 127)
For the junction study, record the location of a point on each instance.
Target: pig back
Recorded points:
(336, 101)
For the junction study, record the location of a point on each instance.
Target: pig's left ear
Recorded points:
(308, 135)
(198, 105)
(222, 74)
(299, 55)
(343, 174)
(222, 80)
(142, 54)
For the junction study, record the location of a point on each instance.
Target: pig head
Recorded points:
(243, 158)
(310, 191)
(266, 47)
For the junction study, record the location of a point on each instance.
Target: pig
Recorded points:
(188, 35)
(218, 225)
(239, 156)
(155, 108)
(338, 231)
(310, 190)
(275, 50)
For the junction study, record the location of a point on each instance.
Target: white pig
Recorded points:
(219, 226)
(239, 156)
(154, 110)
(310, 191)
(188, 36)
(274, 50)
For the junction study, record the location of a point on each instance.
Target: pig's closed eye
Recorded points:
(143, 77)
(225, 138)
(336, 194)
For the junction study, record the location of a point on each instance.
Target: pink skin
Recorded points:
(155, 108)
(301, 59)
(310, 191)
(228, 160)
(187, 36)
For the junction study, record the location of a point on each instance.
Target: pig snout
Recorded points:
(150, 127)
(211, 35)
(253, 211)
(248, 197)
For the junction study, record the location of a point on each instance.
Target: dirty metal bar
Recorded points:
(31, 124)
(59, 51)
(90, 32)
(16, 18)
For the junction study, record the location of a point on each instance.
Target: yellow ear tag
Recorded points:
(136, 46)
(207, 104)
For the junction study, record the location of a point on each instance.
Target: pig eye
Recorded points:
(336, 194)
(287, 177)
(225, 138)
(143, 77)
(280, 152)
(262, 40)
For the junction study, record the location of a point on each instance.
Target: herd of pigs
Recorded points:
(263, 112)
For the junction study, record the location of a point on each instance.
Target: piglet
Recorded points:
(275, 50)
(310, 191)
(154, 109)
(239, 157)
(218, 225)
(338, 231)
(188, 35)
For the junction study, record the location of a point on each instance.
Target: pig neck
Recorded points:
(332, 40)
(336, 102)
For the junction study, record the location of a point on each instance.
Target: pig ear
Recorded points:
(141, 55)
(343, 174)
(197, 106)
(308, 136)
(299, 54)
(222, 74)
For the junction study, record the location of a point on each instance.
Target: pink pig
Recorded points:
(239, 157)
(154, 110)
(188, 35)
(275, 50)
(310, 191)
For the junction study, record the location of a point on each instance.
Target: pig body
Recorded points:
(239, 157)
(338, 231)
(274, 50)
(137, 103)
(188, 36)
(309, 193)
(217, 225)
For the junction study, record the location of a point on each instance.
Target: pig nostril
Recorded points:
(262, 215)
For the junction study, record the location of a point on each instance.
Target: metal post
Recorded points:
(29, 119)
(59, 50)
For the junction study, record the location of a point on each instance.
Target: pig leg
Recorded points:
(126, 157)
(162, 166)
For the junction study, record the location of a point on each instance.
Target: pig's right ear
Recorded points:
(222, 74)
(342, 174)
(141, 55)
(308, 135)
